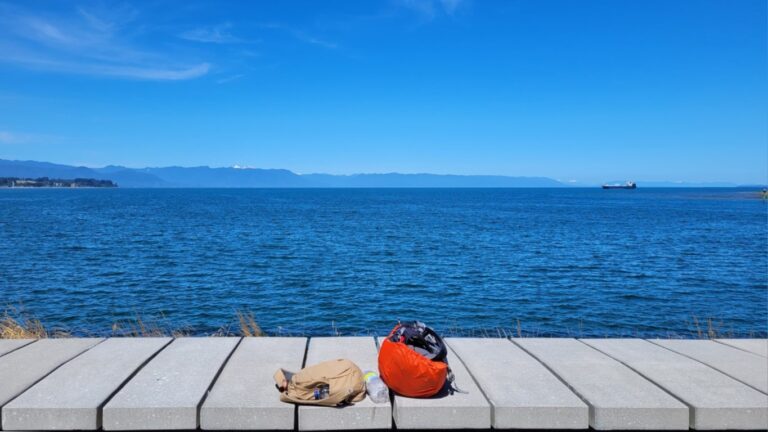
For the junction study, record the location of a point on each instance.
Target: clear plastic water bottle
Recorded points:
(375, 387)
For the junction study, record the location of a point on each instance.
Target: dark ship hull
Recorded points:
(629, 185)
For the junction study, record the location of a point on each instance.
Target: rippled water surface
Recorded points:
(472, 261)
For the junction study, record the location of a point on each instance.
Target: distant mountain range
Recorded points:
(207, 177)
(254, 177)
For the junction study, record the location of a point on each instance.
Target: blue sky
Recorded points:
(574, 90)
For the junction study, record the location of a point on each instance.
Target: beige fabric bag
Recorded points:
(344, 378)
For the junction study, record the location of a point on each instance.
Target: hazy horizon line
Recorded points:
(565, 182)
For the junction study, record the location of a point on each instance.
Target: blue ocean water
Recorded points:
(580, 262)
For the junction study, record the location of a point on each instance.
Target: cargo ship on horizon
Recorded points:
(627, 185)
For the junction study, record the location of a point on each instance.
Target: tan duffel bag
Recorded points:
(331, 383)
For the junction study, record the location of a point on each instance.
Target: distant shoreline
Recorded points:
(51, 183)
(59, 187)
(744, 188)
(239, 177)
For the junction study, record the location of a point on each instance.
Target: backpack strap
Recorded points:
(396, 335)
(450, 381)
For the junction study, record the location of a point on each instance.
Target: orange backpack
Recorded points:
(408, 372)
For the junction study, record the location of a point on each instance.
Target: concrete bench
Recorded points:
(167, 392)
(244, 396)
(747, 367)
(154, 384)
(522, 392)
(22, 368)
(362, 415)
(756, 346)
(71, 396)
(717, 401)
(618, 397)
(445, 411)
(8, 345)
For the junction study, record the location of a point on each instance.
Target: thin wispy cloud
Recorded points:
(301, 35)
(425, 8)
(450, 6)
(86, 42)
(43, 62)
(229, 79)
(8, 137)
(315, 41)
(429, 9)
(99, 23)
(46, 32)
(150, 73)
(217, 34)
(112, 41)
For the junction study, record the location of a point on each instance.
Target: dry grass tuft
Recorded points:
(248, 325)
(713, 329)
(14, 324)
(139, 326)
(10, 328)
(17, 325)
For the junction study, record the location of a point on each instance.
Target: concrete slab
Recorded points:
(8, 345)
(244, 396)
(618, 397)
(167, 392)
(71, 396)
(22, 368)
(362, 415)
(445, 411)
(756, 346)
(522, 392)
(747, 367)
(718, 401)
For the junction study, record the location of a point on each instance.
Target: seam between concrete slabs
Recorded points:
(20, 347)
(182, 402)
(45, 376)
(213, 381)
(710, 366)
(735, 347)
(303, 365)
(52, 371)
(100, 410)
(391, 394)
(579, 395)
(477, 383)
(482, 392)
(365, 415)
(640, 375)
(691, 409)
